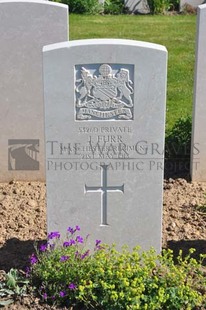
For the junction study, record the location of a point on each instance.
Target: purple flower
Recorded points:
(68, 243)
(97, 245)
(27, 272)
(62, 294)
(76, 254)
(44, 295)
(79, 239)
(85, 254)
(54, 234)
(64, 258)
(97, 242)
(33, 259)
(72, 286)
(43, 247)
(72, 241)
(71, 230)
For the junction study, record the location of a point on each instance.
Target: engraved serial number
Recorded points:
(116, 129)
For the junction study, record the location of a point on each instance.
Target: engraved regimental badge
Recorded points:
(104, 93)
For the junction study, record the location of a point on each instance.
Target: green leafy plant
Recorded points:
(174, 5)
(15, 284)
(67, 274)
(202, 208)
(159, 6)
(83, 6)
(93, 7)
(178, 147)
(114, 7)
(178, 139)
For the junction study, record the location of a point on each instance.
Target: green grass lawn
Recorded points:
(176, 32)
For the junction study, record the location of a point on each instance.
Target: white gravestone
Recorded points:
(105, 120)
(25, 27)
(198, 145)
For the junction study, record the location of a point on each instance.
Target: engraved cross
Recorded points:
(103, 189)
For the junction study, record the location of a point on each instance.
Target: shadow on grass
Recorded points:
(185, 245)
(15, 253)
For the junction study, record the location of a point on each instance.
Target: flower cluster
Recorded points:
(73, 275)
(33, 259)
(53, 235)
(63, 260)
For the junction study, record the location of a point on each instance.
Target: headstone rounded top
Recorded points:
(34, 2)
(202, 6)
(99, 42)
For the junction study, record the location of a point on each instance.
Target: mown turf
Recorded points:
(176, 32)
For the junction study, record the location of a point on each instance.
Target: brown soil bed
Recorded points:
(23, 221)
